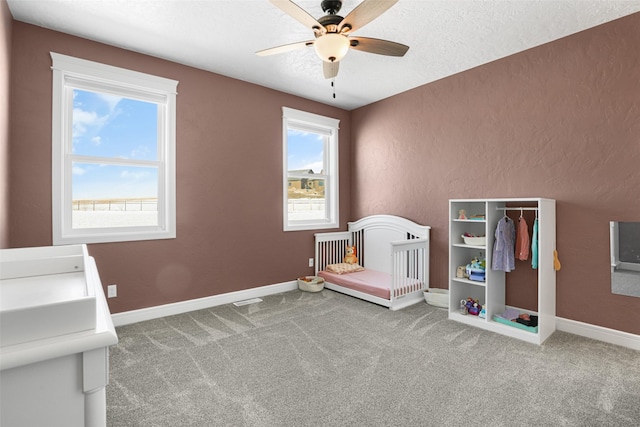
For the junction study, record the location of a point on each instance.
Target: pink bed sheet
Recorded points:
(368, 281)
(371, 282)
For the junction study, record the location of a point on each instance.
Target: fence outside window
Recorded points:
(119, 205)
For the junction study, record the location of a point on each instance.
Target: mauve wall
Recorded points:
(560, 121)
(5, 56)
(229, 178)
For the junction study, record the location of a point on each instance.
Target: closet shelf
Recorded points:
(468, 319)
(462, 245)
(470, 282)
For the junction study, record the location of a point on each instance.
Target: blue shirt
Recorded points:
(504, 258)
(534, 245)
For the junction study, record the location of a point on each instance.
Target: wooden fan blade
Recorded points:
(297, 13)
(381, 47)
(330, 69)
(284, 48)
(365, 12)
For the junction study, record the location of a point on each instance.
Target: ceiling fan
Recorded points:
(333, 32)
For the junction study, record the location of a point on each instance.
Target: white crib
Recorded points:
(394, 252)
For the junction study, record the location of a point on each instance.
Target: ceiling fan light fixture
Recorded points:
(331, 47)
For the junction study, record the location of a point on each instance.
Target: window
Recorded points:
(113, 153)
(310, 163)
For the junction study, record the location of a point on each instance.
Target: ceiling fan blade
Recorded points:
(364, 13)
(381, 47)
(284, 48)
(330, 69)
(298, 13)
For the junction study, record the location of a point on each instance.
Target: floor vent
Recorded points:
(247, 301)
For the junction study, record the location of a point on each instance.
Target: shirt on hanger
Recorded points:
(503, 247)
(534, 245)
(522, 240)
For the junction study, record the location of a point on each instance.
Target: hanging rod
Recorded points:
(510, 208)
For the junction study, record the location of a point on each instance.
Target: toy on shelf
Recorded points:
(470, 306)
(461, 272)
(476, 270)
(463, 307)
(462, 214)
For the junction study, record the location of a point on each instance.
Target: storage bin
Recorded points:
(475, 241)
(437, 297)
(310, 283)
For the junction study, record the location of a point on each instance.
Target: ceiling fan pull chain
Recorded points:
(333, 81)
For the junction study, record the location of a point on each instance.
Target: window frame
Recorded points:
(305, 121)
(71, 73)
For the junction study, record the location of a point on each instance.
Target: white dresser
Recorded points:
(55, 334)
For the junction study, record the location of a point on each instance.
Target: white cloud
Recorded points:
(82, 120)
(303, 133)
(77, 170)
(139, 152)
(97, 140)
(111, 100)
(90, 121)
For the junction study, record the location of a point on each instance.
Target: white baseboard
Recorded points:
(586, 330)
(599, 333)
(135, 316)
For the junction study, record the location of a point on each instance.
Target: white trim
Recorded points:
(587, 330)
(150, 313)
(329, 128)
(306, 119)
(398, 304)
(70, 73)
(81, 67)
(599, 333)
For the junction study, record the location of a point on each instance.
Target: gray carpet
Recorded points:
(326, 359)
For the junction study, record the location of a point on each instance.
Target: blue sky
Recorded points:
(111, 126)
(305, 151)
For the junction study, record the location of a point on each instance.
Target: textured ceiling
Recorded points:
(445, 37)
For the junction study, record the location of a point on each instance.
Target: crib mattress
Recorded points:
(371, 282)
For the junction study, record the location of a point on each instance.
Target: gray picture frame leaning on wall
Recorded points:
(625, 258)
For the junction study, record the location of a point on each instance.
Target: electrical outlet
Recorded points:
(310, 262)
(112, 291)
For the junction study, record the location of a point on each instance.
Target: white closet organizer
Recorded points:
(492, 292)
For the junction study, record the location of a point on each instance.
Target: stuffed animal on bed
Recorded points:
(351, 257)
